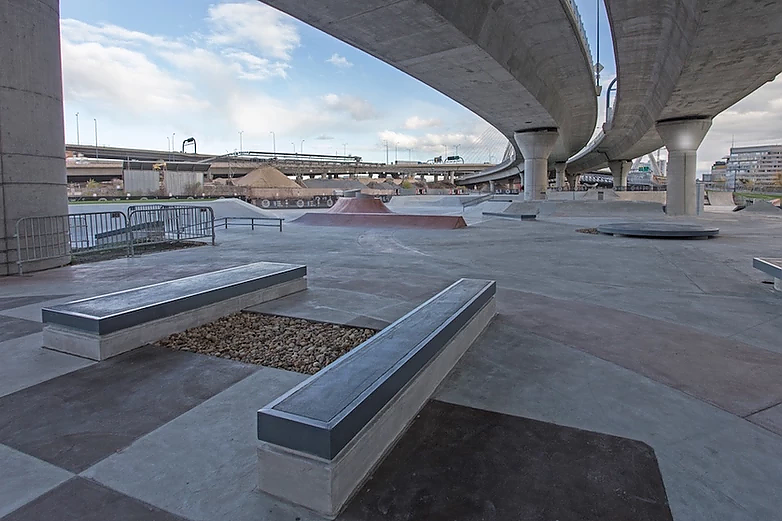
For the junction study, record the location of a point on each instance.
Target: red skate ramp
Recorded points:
(359, 205)
(383, 220)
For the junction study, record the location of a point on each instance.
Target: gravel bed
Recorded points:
(286, 343)
(589, 231)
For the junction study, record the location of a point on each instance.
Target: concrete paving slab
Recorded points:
(32, 312)
(515, 372)
(25, 478)
(25, 363)
(512, 371)
(11, 328)
(211, 471)
(82, 500)
(722, 315)
(327, 305)
(737, 377)
(17, 302)
(462, 463)
(78, 419)
(749, 472)
(771, 419)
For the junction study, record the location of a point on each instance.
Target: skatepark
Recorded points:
(666, 342)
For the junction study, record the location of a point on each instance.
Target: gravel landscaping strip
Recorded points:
(286, 343)
(589, 231)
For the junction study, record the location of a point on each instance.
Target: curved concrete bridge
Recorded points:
(522, 65)
(678, 67)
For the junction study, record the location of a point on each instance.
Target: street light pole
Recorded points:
(96, 138)
(294, 147)
(344, 149)
(457, 150)
(301, 148)
(386, 143)
(274, 141)
(241, 144)
(78, 139)
(396, 152)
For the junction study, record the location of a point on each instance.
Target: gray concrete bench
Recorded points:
(321, 440)
(101, 327)
(771, 267)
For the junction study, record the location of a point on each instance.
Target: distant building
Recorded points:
(754, 166)
(718, 175)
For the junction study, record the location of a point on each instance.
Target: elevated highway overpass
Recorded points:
(522, 65)
(678, 66)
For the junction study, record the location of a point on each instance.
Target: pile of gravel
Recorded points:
(285, 343)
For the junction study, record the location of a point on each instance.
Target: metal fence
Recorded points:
(41, 238)
(171, 223)
(98, 231)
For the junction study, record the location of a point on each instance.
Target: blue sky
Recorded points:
(148, 70)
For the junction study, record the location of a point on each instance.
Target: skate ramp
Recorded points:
(648, 197)
(359, 205)
(368, 212)
(720, 198)
(586, 208)
(762, 208)
(383, 220)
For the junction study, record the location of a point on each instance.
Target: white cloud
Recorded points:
(253, 24)
(752, 121)
(415, 123)
(339, 61)
(114, 75)
(358, 108)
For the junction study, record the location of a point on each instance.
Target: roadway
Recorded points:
(522, 65)
(686, 60)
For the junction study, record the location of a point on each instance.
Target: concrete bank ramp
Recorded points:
(720, 198)
(648, 197)
(237, 208)
(586, 208)
(763, 208)
(359, 205)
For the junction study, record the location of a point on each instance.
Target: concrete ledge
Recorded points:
(321, 440)
(771, 267)
(515, 216)
(106, 326)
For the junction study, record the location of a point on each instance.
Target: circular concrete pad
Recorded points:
(659, 230)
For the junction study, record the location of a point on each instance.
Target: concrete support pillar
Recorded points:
(561, 170)
(32, 134)
(436, 178)
(682, 138)
(536, 146)
(491, 186)
(620, 169)
(451, 177)
(572, 180)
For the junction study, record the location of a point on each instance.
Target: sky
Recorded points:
(235, 71)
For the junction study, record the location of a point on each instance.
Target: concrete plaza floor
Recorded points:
(673, 343)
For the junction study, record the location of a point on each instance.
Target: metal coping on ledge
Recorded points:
(205, 289)
(326, 439)
(771, 267)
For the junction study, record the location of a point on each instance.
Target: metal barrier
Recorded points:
(170, 224)
(98, 231)
(237, 221)
(41, 238)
